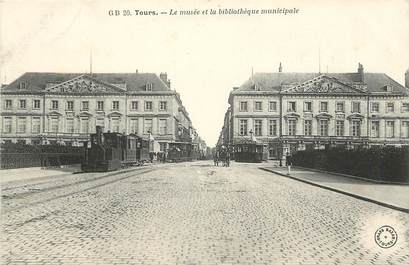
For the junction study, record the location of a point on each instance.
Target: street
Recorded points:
(191, 213)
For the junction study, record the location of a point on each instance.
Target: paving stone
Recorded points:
(192, 213)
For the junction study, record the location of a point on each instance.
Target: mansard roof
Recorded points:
(275, 82)
(134, 82)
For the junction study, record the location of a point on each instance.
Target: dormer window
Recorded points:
(23, 85)
(149, 86)
(388, 88)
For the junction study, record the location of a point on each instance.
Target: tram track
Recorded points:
(25, 195)
(52, 180)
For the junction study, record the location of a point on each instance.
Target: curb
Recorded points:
(352, 176)
(394, 207)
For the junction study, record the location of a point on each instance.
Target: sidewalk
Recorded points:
(394, 196)
(19, 174)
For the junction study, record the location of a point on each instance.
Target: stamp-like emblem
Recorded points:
(386, 236)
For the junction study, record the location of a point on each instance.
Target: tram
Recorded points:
(109, 151)
(249, 152)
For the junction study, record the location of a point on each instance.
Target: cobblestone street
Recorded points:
(191, 213)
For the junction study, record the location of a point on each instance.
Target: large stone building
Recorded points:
(297, 111)
(64, 108)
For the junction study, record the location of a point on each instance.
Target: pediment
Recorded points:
(83, 84)
(323, 84)
(323, 116)
(54, 113)
(292, 115)
(85, 113)
(114, 113)
(355, 116)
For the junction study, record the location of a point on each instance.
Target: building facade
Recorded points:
(64, 108)
(298, 111)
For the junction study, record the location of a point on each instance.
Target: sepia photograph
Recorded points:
(204, 132)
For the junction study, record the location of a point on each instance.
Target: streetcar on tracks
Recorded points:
(110, 151)
(250, 152)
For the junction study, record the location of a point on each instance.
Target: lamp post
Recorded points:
(280, 151)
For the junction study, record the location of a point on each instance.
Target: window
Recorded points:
(243, 127)
(308, 127)
(272, 128)
(163, 105)
(85, 125)
(291, 106)
(324, 106)
(35, 125)
(162, 147)
(163, 126)
(390, 107)
(70, 105)
(134, 105)
(100, 105)
(115, 105)
(292, 127)
(272, 106)
(339, 128)
(54, 104)
(21, 125)
(405, 107)
(243, 106)
(356, 107)
(258, 127)
(101, 123)
(375, 107)
(149, 86)
(85, 105)
(258, 106)
(115, 124)
(375, 129)
(323, 127)
(308, 106)
(147, 126)
(54, 125)
(70, 125)
(133, 126)
(23, 103)
(7, 124)
(356, 128)
(36, 104)
(8, 104)
(405, 129)
(340, 107)
(23, 85)
(390, 129)
(148, 105)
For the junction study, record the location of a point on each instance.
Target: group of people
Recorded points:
(223, 156)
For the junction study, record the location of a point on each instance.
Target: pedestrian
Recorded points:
(216, 158)
(289, 162)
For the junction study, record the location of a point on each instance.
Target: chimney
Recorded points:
(407, 78)
(136, 71)
(164, 78)
(361, 72)
(280, 68)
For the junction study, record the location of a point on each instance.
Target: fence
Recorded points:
(20, 155)
(383, 164)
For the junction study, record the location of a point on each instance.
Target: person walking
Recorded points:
(289, 162)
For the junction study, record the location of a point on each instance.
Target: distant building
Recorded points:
(64, 108)
(297, 111)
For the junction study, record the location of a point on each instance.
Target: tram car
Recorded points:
(110, 151)
(249, 152)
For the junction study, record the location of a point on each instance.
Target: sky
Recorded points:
(205, 56)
